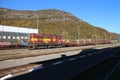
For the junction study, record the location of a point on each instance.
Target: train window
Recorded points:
(18, 37)
(26, 37)
(4, 37)
(22, 37)
(9, 37)
(13, 37)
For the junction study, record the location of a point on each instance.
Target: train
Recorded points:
(52, 40)
(30, 38)
(34, 40)
(12, 39)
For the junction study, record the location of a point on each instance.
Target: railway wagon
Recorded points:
(44, 41)
(11, 36)
(100, 41)
(83, 42)
(76, 42)
(12, 39)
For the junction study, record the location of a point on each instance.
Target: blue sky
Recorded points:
(101, 13)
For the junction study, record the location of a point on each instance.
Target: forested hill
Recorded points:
(54, 21)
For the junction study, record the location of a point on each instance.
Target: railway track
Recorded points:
(23, 53)
(12, 48)
(14, 70)
(27, 67)
(24, 56)
(59, 61)
(24, 68)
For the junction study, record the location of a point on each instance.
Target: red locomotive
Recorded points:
(44, 41)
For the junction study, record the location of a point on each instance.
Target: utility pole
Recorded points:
(37, 20)
(95, 36)
(78, 27)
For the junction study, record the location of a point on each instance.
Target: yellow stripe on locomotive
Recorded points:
(46, 40)
(34, 39)
(54, 39)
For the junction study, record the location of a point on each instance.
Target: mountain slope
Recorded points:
(53, 21)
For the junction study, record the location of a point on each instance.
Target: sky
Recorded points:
(99, 13)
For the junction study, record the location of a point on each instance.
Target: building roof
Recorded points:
(17, 29)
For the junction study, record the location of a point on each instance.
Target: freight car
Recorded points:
(44, 41)
(83, 42)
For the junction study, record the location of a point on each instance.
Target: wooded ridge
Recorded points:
(52, 21)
